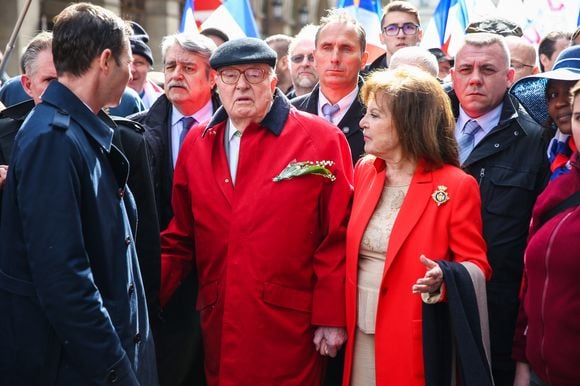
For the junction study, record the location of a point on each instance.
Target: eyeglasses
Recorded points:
(520, 66)
(407, 28)
(297, 59)
(252, 75)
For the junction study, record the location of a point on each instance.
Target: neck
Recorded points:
(400, 172)
(336, 94)
(85, 89)
(302, 90)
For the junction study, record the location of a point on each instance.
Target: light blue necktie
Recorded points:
(329, 110)
(186, 123)
(467, 139)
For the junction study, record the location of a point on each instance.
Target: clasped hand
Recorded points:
(328, 340)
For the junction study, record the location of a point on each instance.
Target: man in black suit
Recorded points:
(188, 100)
(339, 55)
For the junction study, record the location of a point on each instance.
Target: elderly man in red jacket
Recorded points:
(261, 198)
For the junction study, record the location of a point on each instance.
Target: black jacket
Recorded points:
(349, 123)
(512, 169)
(128, 138)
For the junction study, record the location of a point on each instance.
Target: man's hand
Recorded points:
(522, 374)
(3, 174)
(328, 340)
(432, 280)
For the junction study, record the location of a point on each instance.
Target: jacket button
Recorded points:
(131, 290)
(137, 338)
(346, 130)
(227, 180)
(113, 377)
(127, 240)
(121, 192)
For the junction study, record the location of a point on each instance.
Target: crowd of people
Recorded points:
(287, 212)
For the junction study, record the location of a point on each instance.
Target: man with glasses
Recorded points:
(188, 100)
(522, 57)
(400, 27)
(301, 53)
(261, 198)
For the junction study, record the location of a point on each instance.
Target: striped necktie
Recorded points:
(466, 140)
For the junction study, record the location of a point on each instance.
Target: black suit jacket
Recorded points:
(349, 124)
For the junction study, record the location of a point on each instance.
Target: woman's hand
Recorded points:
(432, 280)
(328, 340)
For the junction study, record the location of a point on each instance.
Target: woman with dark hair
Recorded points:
(546, 97)
(547, 338)
(413, 208)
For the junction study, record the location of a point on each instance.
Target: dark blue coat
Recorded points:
(72, 303)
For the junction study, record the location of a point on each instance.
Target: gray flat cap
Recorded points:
(243, 51)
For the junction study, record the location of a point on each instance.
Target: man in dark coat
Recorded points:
(339, 56)
(74, 310)
(188, 97)
(506, 154)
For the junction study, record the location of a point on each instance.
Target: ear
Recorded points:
(283, 62)
(26, 82)
(382, 38)
(510, 76)
(364, 58)
(544, 60)
(105, 59)
(419, 36)
(536, 70)
(274, 83)
(212, 77)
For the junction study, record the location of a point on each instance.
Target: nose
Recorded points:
(242, 82)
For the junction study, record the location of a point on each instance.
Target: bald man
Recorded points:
(523, 57)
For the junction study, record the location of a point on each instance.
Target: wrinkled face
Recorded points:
(576, 119)
(380, 135)
(480, 78)
(245, 101)
(338, 57)
(559, 109)
(188, 79)
(120, 76)
(400, 40)
(42, 71)
(139, 69)
(303, 72)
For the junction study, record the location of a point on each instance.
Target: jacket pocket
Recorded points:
(511, 192)
(207, 296)
(295, 299)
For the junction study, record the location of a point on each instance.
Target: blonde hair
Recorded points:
(421, 113)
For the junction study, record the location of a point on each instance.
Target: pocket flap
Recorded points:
(278, 295)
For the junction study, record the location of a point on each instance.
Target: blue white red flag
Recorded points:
(235, 18)
(188, 23)
(368, 13)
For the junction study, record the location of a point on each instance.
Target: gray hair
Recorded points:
(39, 43)
(308, 32)
(416, 57)
(486, 39)
(194, 43)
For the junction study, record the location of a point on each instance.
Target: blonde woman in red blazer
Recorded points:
(412, 205)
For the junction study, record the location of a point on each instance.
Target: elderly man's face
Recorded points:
(188, 79)
(246, 100)
(481, 77)
(42, 72)
(303, 72)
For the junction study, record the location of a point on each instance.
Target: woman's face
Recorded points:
(576, 119)
(558, 96)
(380, 135)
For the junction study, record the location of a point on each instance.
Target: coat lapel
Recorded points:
(416, 200)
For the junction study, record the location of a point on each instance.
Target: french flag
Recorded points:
(235, 18)
(368, 13)
(447, 27)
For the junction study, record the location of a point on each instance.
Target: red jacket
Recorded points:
(269, 255)
(450, 231)
(548, 328)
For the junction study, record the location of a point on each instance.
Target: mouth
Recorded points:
(564, 118)
(243, 100)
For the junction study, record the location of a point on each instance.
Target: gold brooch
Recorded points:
(440, 196)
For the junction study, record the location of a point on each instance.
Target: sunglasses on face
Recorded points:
(297, 59)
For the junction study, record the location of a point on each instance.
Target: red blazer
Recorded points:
(269, 255)
(450, 231)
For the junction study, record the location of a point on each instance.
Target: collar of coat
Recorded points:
(69, 107)
(273, 121)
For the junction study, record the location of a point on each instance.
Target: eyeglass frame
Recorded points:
(417, 27)
(240, 72)
(309, 58)
(520, 65)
